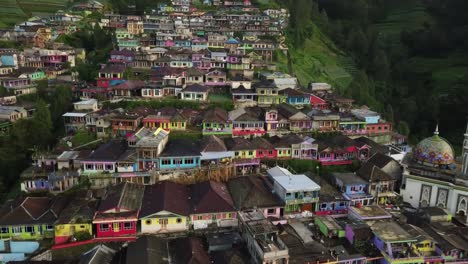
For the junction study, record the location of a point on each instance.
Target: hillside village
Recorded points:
(199, 149)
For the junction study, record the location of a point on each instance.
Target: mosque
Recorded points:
(432, 177)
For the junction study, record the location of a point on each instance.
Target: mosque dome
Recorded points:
(434, 151)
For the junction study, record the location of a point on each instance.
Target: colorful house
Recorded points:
(254, 192)
(245, 154)
(165, 208)
(317, 102)
(76, 218)
(354, 189)
(30, 218)
(263, 148)
(117, 215)
(267, 93)
(329, 227)
(216, 122)
(167, 118)
(104, 158)
(296, 97)
(180, 154)
(307, 148)
(395, 244)
(340, 150)
(110, 72)
(211, 206)
(324, 120)
(213, 150)
(381, 184)
(283, 145)
(149, 147)
(195, 92)
(298, 121)
(247, 121)
(125, 125)
(215, 78)
(299, 193)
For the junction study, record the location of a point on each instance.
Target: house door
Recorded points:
(116, 227)
(163, 223)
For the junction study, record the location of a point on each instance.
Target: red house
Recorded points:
(264, 149)
(110, 72)
(318, 103)
(117, 214)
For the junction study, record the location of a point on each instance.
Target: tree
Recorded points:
(381, 67)
(403, 128)
(42, 114)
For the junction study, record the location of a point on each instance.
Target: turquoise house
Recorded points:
(180, 154)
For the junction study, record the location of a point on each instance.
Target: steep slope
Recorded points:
(319, 60)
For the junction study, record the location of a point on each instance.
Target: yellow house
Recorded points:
(426, 245)
(64, 232)
(165, 208)
(75, 221)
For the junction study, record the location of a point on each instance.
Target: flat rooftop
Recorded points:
(296, 183)
(391, 232)
(370, 212)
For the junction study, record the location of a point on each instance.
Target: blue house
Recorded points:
(354, 188)
(295, 97)
(180, 154)
(9, 59)
(183, 43)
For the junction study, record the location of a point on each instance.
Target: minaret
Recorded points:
(465, 153)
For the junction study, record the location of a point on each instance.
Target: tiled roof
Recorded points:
(130, 85)
(261, 143)
(372, 173)
(380, 160)
(188, 250)
(286, 141)
(238, 143)
(180, 147)
(335, 143)
(212, 144)
(109, 151)
(124, 195)
(252, 192)
(165, 196)
(113, 68)
(29, 210)
(197, 88)
(216, 115)
(210, 197)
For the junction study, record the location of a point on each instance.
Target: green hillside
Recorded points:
(14, 11)
(319, 60)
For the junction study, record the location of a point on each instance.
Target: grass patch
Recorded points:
(320, 61)
(219, 98)
(71, 252)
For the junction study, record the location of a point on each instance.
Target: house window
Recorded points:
(4, 230)
(271, 211)
(148, 222)
(104, 227)
(128, 226)
(177, 161)
(49, 227)
(165, 162)
(250, 153)
(29, 229)
(188, 161)
(16, 229)
(82, 226)
(179, 220)
(236, 153)
(99, 167)
(199, 217)
(109, 167)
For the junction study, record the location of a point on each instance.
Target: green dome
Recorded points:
(434, 151)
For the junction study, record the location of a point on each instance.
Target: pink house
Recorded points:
(318, 103)
(340, 150)
(256, 193)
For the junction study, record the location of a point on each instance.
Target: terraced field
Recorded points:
(10, 13)
(42, 6)
(320, 61)
(14, 11)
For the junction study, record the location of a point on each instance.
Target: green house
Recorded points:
(216, 122)
(329, 227)
(30, 218)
